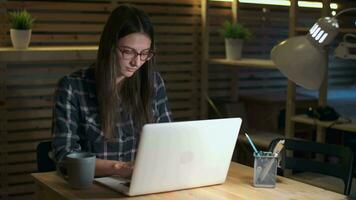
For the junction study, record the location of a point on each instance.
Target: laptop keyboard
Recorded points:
(127, 184)
(123, 181)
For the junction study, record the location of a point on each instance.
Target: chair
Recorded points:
(44, 161)
(342, 169)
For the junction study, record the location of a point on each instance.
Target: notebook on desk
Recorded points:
(180, 155)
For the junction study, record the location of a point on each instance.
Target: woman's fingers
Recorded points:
(124, 169)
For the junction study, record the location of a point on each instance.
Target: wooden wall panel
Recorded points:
(27, 88)
(269, 25)
(3, 132)
(29, 111)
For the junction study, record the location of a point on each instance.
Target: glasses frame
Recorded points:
(121, 49)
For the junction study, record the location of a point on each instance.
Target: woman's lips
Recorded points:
(130, 69)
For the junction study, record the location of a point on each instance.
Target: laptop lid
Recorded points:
(180, 155)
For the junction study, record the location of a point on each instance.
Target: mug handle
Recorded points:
(61, 169)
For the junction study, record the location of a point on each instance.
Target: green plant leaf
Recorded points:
(230, 30)
(21, 20)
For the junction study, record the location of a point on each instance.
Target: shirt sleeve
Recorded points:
(65, 120)
(162, 108)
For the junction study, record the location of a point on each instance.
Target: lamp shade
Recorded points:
(303, 59)
(300, 61)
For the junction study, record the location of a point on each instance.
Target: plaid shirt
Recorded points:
(76, 124)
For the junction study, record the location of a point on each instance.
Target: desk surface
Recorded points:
(237, 186)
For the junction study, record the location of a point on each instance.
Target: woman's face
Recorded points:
(133, 51)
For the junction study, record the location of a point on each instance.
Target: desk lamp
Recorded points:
(303, 59)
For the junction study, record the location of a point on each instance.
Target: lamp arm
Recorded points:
(343, 11)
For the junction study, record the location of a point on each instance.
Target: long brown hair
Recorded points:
(135, 93)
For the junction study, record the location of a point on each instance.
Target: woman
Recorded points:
(102, 109)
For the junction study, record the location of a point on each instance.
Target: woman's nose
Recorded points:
(136, 61)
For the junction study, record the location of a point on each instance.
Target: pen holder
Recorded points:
(265, 170)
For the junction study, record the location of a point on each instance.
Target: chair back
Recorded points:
(342, 169)
(44, 162)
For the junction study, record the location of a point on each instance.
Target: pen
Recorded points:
(279, 146)
(253, 146)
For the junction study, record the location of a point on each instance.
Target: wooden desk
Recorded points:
(237, 186)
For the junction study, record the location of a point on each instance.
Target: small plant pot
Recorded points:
(20, 38)
(233, 48)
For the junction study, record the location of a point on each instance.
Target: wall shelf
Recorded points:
(247, 62)
(326, 124)
(48, 53)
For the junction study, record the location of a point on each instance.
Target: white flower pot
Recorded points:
(233, 48)
(20, 38)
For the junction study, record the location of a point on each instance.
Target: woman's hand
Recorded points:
(123, 169)
(113, 167)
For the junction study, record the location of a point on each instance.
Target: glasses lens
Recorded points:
(146, 55)
(128, 54)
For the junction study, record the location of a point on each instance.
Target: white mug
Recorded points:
(343, 50)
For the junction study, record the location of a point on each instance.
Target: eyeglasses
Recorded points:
(130, 53)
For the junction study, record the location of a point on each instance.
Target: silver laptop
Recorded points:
(180, 155)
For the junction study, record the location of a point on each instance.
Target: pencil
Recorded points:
(253, 146)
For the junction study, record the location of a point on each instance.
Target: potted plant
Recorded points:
(21, 23)
(234, 35)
